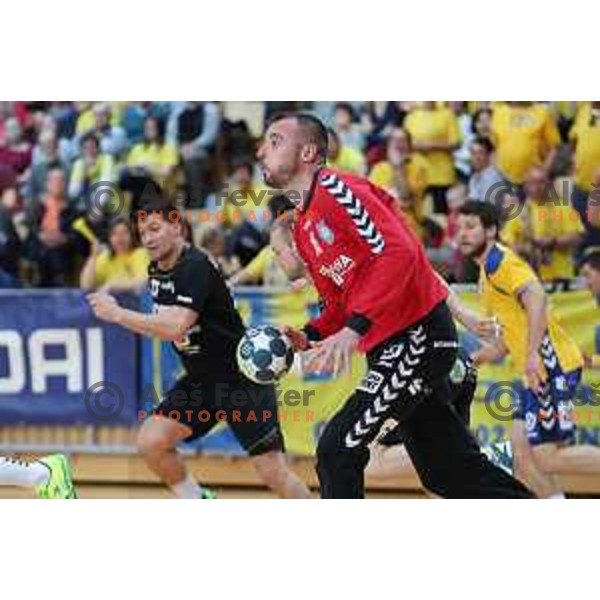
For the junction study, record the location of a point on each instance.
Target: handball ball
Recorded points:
(265, 354)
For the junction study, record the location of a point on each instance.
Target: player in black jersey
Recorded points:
(195, 311)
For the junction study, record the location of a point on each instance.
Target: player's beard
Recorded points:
(479, 250)
(279, 178)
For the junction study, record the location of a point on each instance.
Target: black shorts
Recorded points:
(462, 383)
(249, 409)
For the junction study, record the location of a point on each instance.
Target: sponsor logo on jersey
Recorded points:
(167, 286)
(156, 285)
(325, 233)
(459, 372)
(338, 269)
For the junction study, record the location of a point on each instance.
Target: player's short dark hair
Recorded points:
(157, 205)
(315, 131)
(484, 143)
(486, 212)
(591, 257)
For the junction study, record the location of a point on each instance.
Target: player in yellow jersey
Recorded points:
(548, 358)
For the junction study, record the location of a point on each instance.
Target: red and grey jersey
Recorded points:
(368, 266)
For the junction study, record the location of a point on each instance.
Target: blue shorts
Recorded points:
(547, 414)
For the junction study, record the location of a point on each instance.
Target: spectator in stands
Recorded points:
(593, 206)
(342, 157)
(585, 137)
(10, 244)
(133, 117)
(243, 199)
(484, 174)
(91, 168)
(86, 119)
(154, 157)
(265, 268)
(547, 231)
(591, 272)
(380, 118)
(482, 123)
(112, 138)
(15, 152)
(212, 239)
(435, 135)
(194, 126)
(456, 197)
(53, 244)
(524, 135)
(123, 266)
(403, 173)
(462, 155)
(46, 157)
(348, 131)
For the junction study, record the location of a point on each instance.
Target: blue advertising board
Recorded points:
(60, 365)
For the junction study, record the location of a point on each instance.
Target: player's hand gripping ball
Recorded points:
(265, 354)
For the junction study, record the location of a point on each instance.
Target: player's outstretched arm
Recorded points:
(170, 323)
(485, 327)
(489, 353)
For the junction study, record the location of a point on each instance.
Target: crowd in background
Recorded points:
(541, 159)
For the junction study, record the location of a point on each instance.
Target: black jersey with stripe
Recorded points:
(208, 351)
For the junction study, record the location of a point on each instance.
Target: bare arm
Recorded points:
(472, 321)
(87, 279)
(534, 300)
(170, 323)
(489, 353)
(568, 241)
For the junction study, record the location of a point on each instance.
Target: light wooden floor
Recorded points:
(123, 476)
(126, 476)
(141, 492)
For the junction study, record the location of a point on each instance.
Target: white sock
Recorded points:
(188, 489)
(559, 496)
(22, 473)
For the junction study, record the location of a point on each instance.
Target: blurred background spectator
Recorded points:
(203, 154)
(92, 167)
(10, 243)
(547, 231)
(525, 135)
(213, 239)
(484, 175)
(193, 127)
(435, 135)
(120, 267)
(343, 157)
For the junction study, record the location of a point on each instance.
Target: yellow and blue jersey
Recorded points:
(502, 279)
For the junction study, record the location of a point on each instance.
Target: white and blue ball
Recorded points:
(265, 354)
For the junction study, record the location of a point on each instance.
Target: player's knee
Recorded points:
(273, 470)
(151, 440)
(546, 458)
